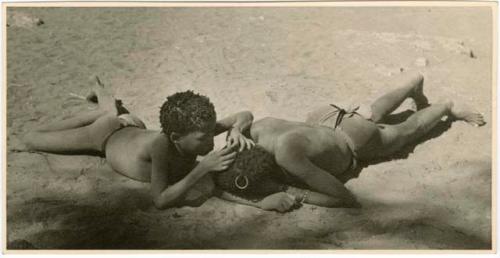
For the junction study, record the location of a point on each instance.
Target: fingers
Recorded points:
(225, 165)
(239, 140)
(231, 142)
(251, 143)
(226, 150)
(242, 143)
(286, 203)
(248, 144)
(230, 156)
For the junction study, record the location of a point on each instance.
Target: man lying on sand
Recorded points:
(325, 151)
(167, 159)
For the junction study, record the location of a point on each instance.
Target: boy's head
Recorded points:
(188, 119)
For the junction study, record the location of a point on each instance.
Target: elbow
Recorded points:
(161, 204)
(248, 114)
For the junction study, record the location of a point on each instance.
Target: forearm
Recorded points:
(174, 193)
(338, 195)
(233, 198)
(243, 121)
(315, 198)
(239, 121)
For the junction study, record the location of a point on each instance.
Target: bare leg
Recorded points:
(74, 122)
(394, 137)
(389, 102)
(105, 98)
(76, 140)
(82, 133)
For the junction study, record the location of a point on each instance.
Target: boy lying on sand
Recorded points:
(167, 159)
(330, 148)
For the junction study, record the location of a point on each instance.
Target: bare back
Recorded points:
(325, 148)
(128, 151)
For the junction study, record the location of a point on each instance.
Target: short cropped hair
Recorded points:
(253, 175)
(186, 112)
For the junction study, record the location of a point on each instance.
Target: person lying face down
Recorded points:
(331, 146)
(166, 158)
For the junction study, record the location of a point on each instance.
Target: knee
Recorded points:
(448, 103)
(376, 118)
(376, 114)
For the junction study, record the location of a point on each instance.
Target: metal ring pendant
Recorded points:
(238, 185)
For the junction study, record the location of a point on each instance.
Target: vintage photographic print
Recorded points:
(275, 126)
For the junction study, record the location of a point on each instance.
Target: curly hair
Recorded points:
(254, 174)
(186, 112)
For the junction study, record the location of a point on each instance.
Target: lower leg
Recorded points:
(71, 123)
(107, 105)
(389, 102)
(76, 140)
(423, 121)
(395, 137)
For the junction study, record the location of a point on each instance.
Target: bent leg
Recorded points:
(394, 137)
(71, 123)
(76, 140)
(389, 102)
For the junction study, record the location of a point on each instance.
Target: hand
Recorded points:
(236, 138)
(218, 160)
(281, 202)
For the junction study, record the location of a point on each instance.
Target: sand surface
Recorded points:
(277, 62)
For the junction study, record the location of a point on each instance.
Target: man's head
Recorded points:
(253, 174)
(188, 120)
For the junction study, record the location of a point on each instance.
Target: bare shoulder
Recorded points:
(159, 145)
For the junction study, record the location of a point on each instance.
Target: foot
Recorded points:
(103, 96)
(468, 116)
(418, 96)
(92, 97)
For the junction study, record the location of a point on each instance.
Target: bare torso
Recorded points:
(129, 150)
(327, 150)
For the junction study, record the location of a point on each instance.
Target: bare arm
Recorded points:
(165, 196)
(235, 125)
(279, 201)
(314, 198)
(290, 155)
(233, 198)
(239, 121)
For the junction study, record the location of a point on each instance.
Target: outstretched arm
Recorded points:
(290, 155)
(280, 201)
(314, 198)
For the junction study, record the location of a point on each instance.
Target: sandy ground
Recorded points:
(277, 62)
